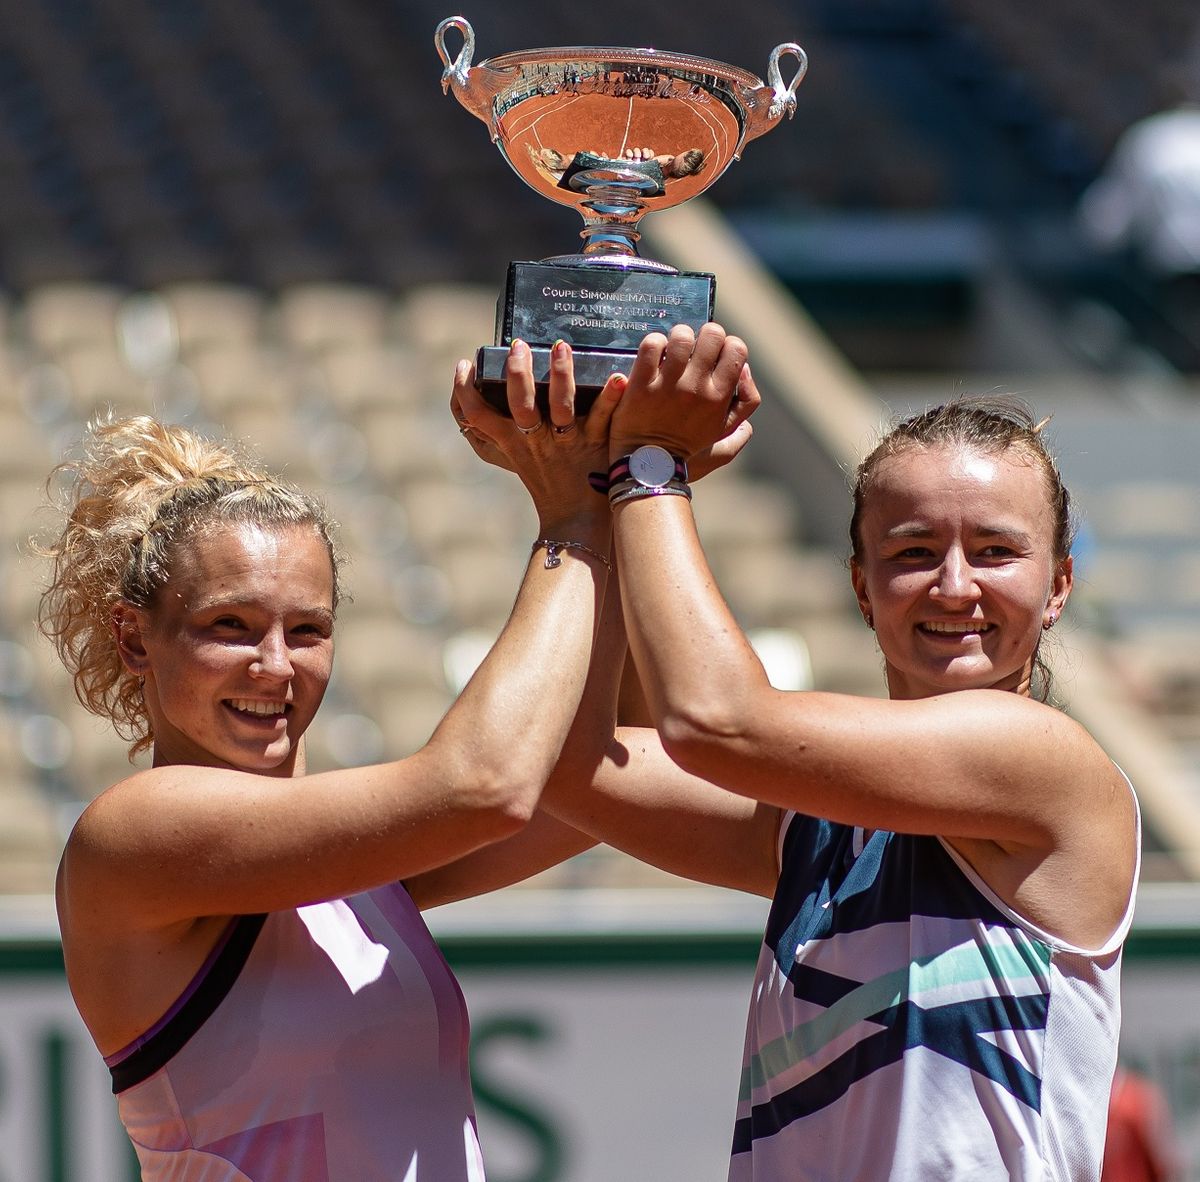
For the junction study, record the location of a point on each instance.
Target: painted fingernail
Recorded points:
(460, 371)
(519, 348)
(560, 349)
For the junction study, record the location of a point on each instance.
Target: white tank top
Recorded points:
(323, 1044)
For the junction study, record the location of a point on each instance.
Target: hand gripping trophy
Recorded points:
(615, 132)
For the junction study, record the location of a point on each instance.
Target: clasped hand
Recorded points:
(691, 393)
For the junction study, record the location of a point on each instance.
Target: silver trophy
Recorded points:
(615, 132)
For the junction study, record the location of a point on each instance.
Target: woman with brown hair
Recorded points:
(952, 867)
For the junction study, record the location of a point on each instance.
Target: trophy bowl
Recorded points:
(616, 133)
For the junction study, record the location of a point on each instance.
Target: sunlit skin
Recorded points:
(243, 625)
(957, 571)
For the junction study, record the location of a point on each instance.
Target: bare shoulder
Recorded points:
(1068, 760)
(130, 842)
(1061, 782)
(1029, 753)
(116, 825)
(124, 972)
(1075, 879)
(111, 818)
(107, 864)
(974, 764)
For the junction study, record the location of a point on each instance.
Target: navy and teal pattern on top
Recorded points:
(906, 1024)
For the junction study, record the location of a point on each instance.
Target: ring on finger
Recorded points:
(529, 430)
(565, 429)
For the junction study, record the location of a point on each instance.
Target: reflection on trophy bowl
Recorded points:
(616, 133)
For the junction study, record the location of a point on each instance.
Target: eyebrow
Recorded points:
(232, 605)
(914, 530)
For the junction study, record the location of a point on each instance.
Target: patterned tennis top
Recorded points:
(907, 1024)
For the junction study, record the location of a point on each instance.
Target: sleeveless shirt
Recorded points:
(907, 1024)
(322, 1044)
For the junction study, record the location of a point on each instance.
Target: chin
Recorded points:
(259, 761)
(925, 683)
(989, 678)
(271, 761)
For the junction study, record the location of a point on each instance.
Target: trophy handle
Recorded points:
(474, 87)
(767, 105)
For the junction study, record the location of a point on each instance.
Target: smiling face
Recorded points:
(237, 649)
(956, 567)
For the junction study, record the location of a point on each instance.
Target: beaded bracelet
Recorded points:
(632, 491)
(554, 552)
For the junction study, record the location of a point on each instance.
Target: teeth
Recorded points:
(248, 706)
(958, 628)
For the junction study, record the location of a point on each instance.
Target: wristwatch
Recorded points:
(648, 466)
(648, 471)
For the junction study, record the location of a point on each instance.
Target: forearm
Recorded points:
(696, 664)
(509, 724)
(595, 719)
(620, 787)
(547, 840)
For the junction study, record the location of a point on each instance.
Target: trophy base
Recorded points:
(593, 367)
(602, 311)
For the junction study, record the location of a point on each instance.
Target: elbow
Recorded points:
(515, 810)
(489, 797)
(506, 803)
(698, 735)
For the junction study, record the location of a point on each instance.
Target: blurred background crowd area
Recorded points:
(264, 219)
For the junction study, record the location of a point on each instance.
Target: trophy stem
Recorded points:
(610, 217)
(602, 238)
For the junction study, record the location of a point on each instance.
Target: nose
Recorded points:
(955, 579)
(273, 660)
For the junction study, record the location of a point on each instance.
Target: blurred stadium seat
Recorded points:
(263, 217)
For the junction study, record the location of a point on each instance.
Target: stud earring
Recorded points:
(1049, 621)
(869, 619)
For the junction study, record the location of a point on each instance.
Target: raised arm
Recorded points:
(184, 841)
(621, 788)
(1013, 781)
(614, 783)
(633, 796)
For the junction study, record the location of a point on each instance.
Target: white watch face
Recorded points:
(651, 466)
